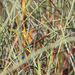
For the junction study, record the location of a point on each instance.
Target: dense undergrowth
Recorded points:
(52, 52)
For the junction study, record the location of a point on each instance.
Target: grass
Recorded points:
(52, 53)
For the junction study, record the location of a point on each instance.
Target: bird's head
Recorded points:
(33, 33)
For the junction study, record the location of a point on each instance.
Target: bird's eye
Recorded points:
(33, 31)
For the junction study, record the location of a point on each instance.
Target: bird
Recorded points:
(32, 35)
(29, 36)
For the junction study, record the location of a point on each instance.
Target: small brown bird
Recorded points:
(29, 36)
(32, 35)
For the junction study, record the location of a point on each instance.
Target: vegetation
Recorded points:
(51, 51)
